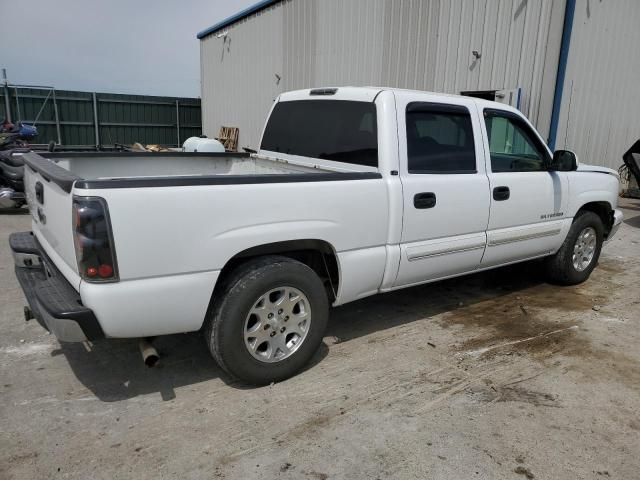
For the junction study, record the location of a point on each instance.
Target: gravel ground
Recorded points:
(493, 376)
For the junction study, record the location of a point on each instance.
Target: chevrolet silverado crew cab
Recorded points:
(353, 192)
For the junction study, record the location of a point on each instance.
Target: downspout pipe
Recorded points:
(569, 13)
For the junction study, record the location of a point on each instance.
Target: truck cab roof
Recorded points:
(369, 94)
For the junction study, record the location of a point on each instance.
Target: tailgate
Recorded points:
(48, 189)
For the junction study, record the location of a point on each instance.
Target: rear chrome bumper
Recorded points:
(618, 216)
(55, 304)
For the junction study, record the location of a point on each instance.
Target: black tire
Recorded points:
(559, 267)
(224, 326)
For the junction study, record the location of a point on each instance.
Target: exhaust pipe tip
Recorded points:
(151, 360)
(150, 355)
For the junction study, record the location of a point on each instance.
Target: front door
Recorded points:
(445, 188)
(528, 202)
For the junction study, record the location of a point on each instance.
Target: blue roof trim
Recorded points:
(238, 16)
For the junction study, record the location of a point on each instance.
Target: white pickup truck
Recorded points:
(354, 191)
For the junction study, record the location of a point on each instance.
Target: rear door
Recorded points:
(445, 187)
(527, 200)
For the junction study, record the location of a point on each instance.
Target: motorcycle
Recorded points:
(11, 179)
(13, 142)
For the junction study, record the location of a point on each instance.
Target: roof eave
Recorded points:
(234, 18)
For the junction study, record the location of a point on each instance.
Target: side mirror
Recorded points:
(564, 161)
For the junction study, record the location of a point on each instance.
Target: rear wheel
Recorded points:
(579, 253)
(268, 320)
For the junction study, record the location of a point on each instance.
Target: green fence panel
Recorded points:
(69, 117)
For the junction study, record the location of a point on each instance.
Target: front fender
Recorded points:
(589, 187)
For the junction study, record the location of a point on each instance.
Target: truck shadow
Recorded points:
(633, 221)
(113, 370)
(14, 211)
(405, 306)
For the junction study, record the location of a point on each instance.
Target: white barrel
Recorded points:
(197, 144)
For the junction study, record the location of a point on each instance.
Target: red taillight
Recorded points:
(105, 271)
(93, 240)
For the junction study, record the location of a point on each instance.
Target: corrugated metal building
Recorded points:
(573, 61)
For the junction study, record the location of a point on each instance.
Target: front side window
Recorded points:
(340, 130)
(439, 139)
(512, 145)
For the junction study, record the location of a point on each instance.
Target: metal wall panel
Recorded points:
(600, 112)
(238, 70)
(418, 44)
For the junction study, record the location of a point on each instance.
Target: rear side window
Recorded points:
(344, 131)
(439, 139)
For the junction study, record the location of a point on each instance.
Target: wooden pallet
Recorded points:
(228, 136)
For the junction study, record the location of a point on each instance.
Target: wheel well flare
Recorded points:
(603, 210)
(318, 255)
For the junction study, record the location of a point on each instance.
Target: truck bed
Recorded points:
(105, 165)
(162, 169)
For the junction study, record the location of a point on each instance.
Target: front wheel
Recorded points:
(580, 251)
(268, 321)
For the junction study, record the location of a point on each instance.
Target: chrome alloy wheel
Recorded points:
(584, 249)
(277, 324)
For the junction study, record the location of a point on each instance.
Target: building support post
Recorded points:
(96, 126)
